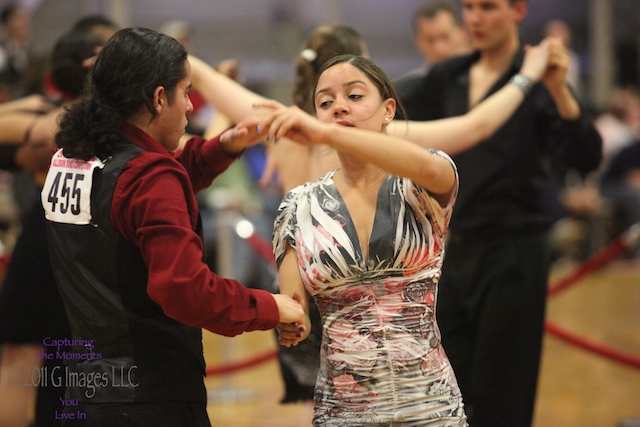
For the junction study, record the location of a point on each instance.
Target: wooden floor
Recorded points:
(576, 388)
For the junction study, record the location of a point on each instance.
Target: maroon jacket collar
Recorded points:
(142, 139)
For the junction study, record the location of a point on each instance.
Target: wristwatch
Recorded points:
(522, 82)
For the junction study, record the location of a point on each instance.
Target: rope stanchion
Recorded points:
(226, 224)
(262, 247)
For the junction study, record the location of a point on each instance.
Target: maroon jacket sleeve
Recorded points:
(154, 208)
(203, 160)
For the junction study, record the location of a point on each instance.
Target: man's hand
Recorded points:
(555, 79)
(243, 135)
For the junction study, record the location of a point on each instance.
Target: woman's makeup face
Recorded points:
(346, 96)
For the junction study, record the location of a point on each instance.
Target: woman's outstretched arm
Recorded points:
(456, 134)
(393, 154)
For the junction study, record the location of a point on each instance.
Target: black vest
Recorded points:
(126, 349)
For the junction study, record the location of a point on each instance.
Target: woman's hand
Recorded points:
(536, 60)
(555, 79)
(292, 123)
(556, 76)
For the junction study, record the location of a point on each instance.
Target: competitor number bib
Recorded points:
(66, 195)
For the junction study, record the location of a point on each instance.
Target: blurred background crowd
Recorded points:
(257, 42)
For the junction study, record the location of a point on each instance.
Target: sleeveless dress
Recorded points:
(381, 360)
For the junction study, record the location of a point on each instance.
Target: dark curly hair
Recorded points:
(133, 63)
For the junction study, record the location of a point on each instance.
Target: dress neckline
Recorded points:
(364, 262)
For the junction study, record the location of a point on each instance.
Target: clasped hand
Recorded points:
(272, 123)
(547, 61)
(293, 332)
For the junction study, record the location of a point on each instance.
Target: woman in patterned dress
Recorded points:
(366, 241)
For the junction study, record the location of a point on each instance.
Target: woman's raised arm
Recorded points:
(224, 93)
(294, 162)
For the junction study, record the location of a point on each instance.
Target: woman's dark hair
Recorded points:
(68, 73)
(323, 43)
(373, 73)
(133, 63)
(98, 24)
(89, 22)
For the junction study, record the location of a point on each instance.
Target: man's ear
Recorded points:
(521, 7)
(159, 98)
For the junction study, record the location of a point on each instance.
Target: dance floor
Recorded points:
(599, 387)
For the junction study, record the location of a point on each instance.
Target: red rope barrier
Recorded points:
(598, 260)
(4, 255)
(623, 243)
(592, 346)
(262, 247)
(236, 366)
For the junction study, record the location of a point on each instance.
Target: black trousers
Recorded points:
(157, 414)
(490, 310)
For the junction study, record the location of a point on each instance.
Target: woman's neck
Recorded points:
(358, 174)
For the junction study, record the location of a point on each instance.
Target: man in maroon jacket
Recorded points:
(126, 245)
